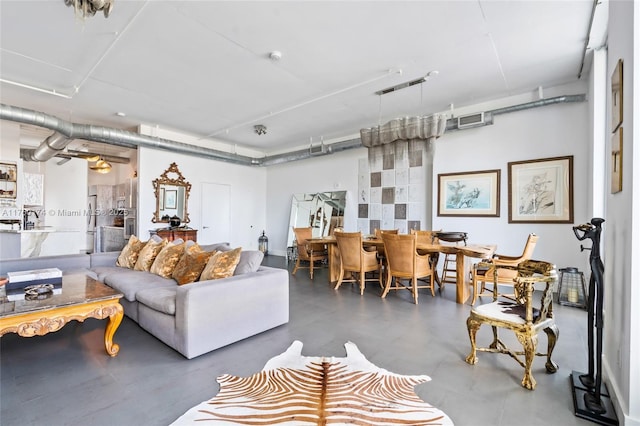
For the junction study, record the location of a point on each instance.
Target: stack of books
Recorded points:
(22, 279)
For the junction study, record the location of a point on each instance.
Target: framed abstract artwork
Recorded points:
(541, 191)
(616, 161)
(469, 193)
(616, 96)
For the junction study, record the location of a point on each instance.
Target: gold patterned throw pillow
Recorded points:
(167, 259)
(191, 264)
(221, 265)
(148, 254)
(129, 254)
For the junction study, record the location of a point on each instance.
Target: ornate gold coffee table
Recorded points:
(81, 297)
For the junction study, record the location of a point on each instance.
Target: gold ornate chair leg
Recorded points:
(529, 343)
(472, 327)
(496, 341)
(552, 337)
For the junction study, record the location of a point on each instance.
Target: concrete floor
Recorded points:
(66, 378)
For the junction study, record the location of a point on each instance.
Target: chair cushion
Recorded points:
(505, 311)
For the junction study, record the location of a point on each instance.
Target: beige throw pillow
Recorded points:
(191, 264)
(129, 254)
(166, 261)
(221, 265)
(148, 254)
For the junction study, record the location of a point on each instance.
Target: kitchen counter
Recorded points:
(38, 229)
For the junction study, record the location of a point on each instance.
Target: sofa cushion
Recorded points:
(129, 254)
(216, 247)
(101, 272)
(250, 261)
(129, 282)
(221, 265)
(191, 265)
(160, 299)
(148, 254)
(166, 261)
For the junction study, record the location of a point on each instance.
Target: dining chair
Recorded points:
(308, 252)
(522, 315)
(405, 263)
(430, 237)
(356, 260)
(483, 272)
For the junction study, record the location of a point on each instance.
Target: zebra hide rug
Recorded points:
(297, 390)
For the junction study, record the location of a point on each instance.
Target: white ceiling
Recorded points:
(203, 67)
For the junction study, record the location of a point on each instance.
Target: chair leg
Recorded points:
(474, 283)
(552, 337)
(529, 343)
(472, 327)
(311, 262)
(340, 278)
(432, 279)
(387, 286)
(295, 268)
(414, 289)
(361, 281)
(494, 344)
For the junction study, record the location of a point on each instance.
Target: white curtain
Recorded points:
(402, 135)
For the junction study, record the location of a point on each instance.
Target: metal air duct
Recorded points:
(66, 131)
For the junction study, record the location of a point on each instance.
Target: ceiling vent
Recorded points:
(471, 120)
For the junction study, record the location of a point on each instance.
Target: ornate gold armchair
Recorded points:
(308, 252)
(404, 262)
(523, 316)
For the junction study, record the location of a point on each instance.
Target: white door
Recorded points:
(216, 214)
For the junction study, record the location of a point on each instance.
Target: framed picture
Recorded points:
(616, 161)
(170, 199)
(469, 193)
(541, 190)
(616, 96)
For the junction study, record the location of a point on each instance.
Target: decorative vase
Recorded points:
(174, 221)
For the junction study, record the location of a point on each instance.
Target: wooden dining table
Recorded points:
(462, 252)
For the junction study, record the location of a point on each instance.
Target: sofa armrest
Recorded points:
(107, 258)
(211, 314)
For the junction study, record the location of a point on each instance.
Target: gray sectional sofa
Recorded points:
(194, 318)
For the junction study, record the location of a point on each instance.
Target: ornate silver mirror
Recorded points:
(172, 196)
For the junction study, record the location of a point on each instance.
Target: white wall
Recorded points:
(549, 131)
(248, 193)
(622, 227)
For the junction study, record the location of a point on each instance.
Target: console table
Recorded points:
(175, 233)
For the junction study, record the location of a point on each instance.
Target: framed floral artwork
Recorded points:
(469, 193)
(541, 190)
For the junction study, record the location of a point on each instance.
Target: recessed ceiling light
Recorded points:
(121, 114)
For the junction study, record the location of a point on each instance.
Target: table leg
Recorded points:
(112, 325)
(462, 289)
